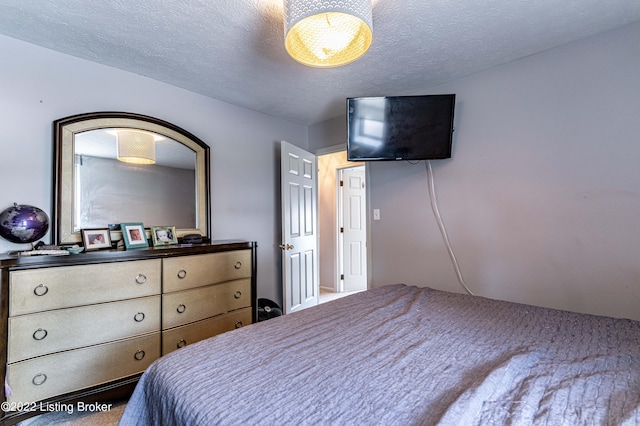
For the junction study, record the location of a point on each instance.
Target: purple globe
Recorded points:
(23, 223)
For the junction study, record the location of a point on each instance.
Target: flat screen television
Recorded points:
(400, 127)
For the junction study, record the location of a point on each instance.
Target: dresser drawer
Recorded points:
(66, 286)
(55, 374)
(192, 305)
(181, 336)
(53, 331)
(181, 273)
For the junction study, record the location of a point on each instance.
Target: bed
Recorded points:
(402, 355)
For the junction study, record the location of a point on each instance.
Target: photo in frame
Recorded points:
(163, 235)
(133, 235)
(96, 238)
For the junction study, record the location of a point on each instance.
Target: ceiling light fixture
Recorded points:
(136, 147)
(326, 34)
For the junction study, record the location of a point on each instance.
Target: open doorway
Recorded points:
(342, 254)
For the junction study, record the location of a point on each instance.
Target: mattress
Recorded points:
(402, 355)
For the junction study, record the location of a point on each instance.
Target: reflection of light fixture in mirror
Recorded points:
(327, 34)
(136, 147)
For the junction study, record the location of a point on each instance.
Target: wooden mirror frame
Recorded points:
(63, 168)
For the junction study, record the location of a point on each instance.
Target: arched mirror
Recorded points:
(115, 167)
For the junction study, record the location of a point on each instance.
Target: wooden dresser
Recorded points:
(84, 327)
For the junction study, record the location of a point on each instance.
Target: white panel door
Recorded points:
(354, 235)
(299, 246)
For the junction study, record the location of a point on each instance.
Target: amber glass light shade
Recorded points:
(327, 34)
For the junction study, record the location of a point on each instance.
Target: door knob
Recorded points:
(286, 246)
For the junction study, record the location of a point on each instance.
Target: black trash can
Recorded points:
(268, 309)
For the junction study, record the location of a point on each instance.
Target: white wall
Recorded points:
(38, 86)
(542, 196)
(330, 133)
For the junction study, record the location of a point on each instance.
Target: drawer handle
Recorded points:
(238, 324)
(41, 290)
(237, 294)
(39, 379)
(139, 317)
(139, 355)
(182, 343)
(182, 274)
(181, 308)
(141, 278)
(40, 334)
(238, 265)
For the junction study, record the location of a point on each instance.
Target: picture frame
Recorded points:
(134, 235)
(96, 238)
(164, 235)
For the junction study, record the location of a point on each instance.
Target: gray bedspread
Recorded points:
(402, 355)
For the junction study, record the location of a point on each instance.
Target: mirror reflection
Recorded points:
(114, 185)
(117, 167)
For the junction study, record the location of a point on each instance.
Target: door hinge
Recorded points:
(341, 230)
(341, 183)
(342, 277)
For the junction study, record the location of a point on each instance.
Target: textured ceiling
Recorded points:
(233, 50)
